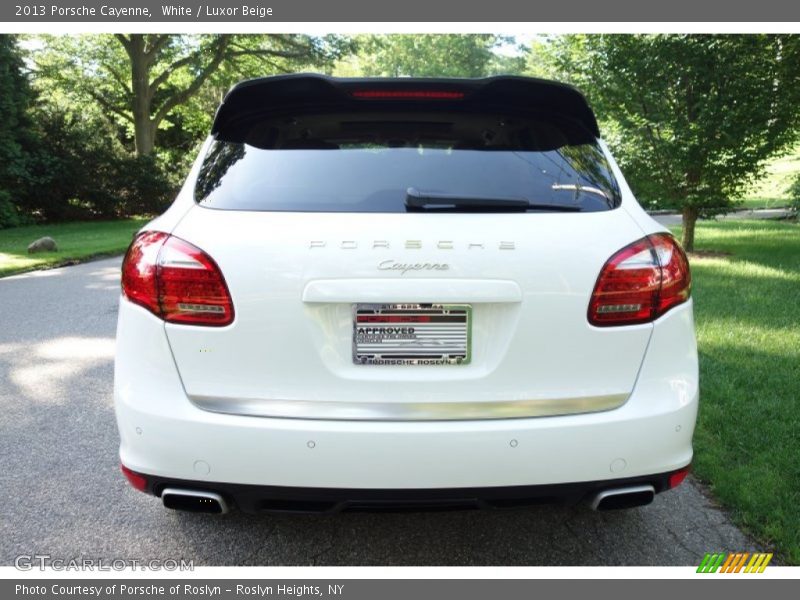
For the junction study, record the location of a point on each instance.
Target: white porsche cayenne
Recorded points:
(404, 293)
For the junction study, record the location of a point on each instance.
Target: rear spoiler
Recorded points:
(291, 94)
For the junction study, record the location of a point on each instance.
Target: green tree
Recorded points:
(83, 172)
(446, 55)
(16, 133)
(145, 79)
(692, 118)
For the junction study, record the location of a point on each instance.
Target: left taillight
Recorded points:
(176, 281)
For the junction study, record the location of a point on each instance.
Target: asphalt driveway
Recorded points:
(62, 494)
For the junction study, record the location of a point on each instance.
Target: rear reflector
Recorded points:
(676, 478)
(408, 94)
(641, 282)
(176, 281)
(137, 480)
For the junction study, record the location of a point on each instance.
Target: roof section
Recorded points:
(254, 98)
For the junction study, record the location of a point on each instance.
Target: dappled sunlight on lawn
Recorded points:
(745, 268)
(19, 261)
(15, 263)
(731, 336)
(76, 241)
(747, 311)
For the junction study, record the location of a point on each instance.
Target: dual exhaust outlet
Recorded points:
(201, 501)
(624, 497)
(198, 501)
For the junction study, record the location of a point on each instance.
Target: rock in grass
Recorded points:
(45, 244)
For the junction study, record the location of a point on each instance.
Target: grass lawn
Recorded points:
(756, 202)
(771, 191)
(76, 241)
(747, 309)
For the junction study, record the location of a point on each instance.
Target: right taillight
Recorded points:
(641, 282)
(175, 281)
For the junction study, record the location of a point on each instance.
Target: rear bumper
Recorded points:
(164, 435)
(257, 499)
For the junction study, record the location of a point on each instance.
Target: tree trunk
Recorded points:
(689, 212)
(689, 219)
(144, 131)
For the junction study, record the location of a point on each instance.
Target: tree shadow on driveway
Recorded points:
(63, 495)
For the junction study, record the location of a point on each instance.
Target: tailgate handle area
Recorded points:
(412, 290)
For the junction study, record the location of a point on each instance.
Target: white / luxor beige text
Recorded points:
(243, 10)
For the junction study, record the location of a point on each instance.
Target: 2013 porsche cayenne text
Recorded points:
(404, 292)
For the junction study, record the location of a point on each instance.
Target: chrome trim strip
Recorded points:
(412, 290)
(408, 411)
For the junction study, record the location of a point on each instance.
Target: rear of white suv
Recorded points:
(375, 293)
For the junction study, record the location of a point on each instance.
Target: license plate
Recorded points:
(411, 334)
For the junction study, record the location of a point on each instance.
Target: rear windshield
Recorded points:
(371, 163)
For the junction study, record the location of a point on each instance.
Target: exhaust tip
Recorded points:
(621, 498)
(194, 501)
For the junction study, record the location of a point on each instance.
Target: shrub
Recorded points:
(9, 215)
(83, 172)
(16, 132)
(142, 186)
(794, 195)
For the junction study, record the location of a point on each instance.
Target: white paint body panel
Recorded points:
(651, 432)
(530, 336)
(292, 335)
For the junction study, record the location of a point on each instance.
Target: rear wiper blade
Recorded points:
(416, 199)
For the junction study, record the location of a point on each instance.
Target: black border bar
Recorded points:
(408, 11)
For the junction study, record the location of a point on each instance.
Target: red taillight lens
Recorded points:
(676, 278)
(137, 480)
(191, 288)
(176, 281)
(139, 270)
(676, 478)
(408, 94)
(641, 282)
